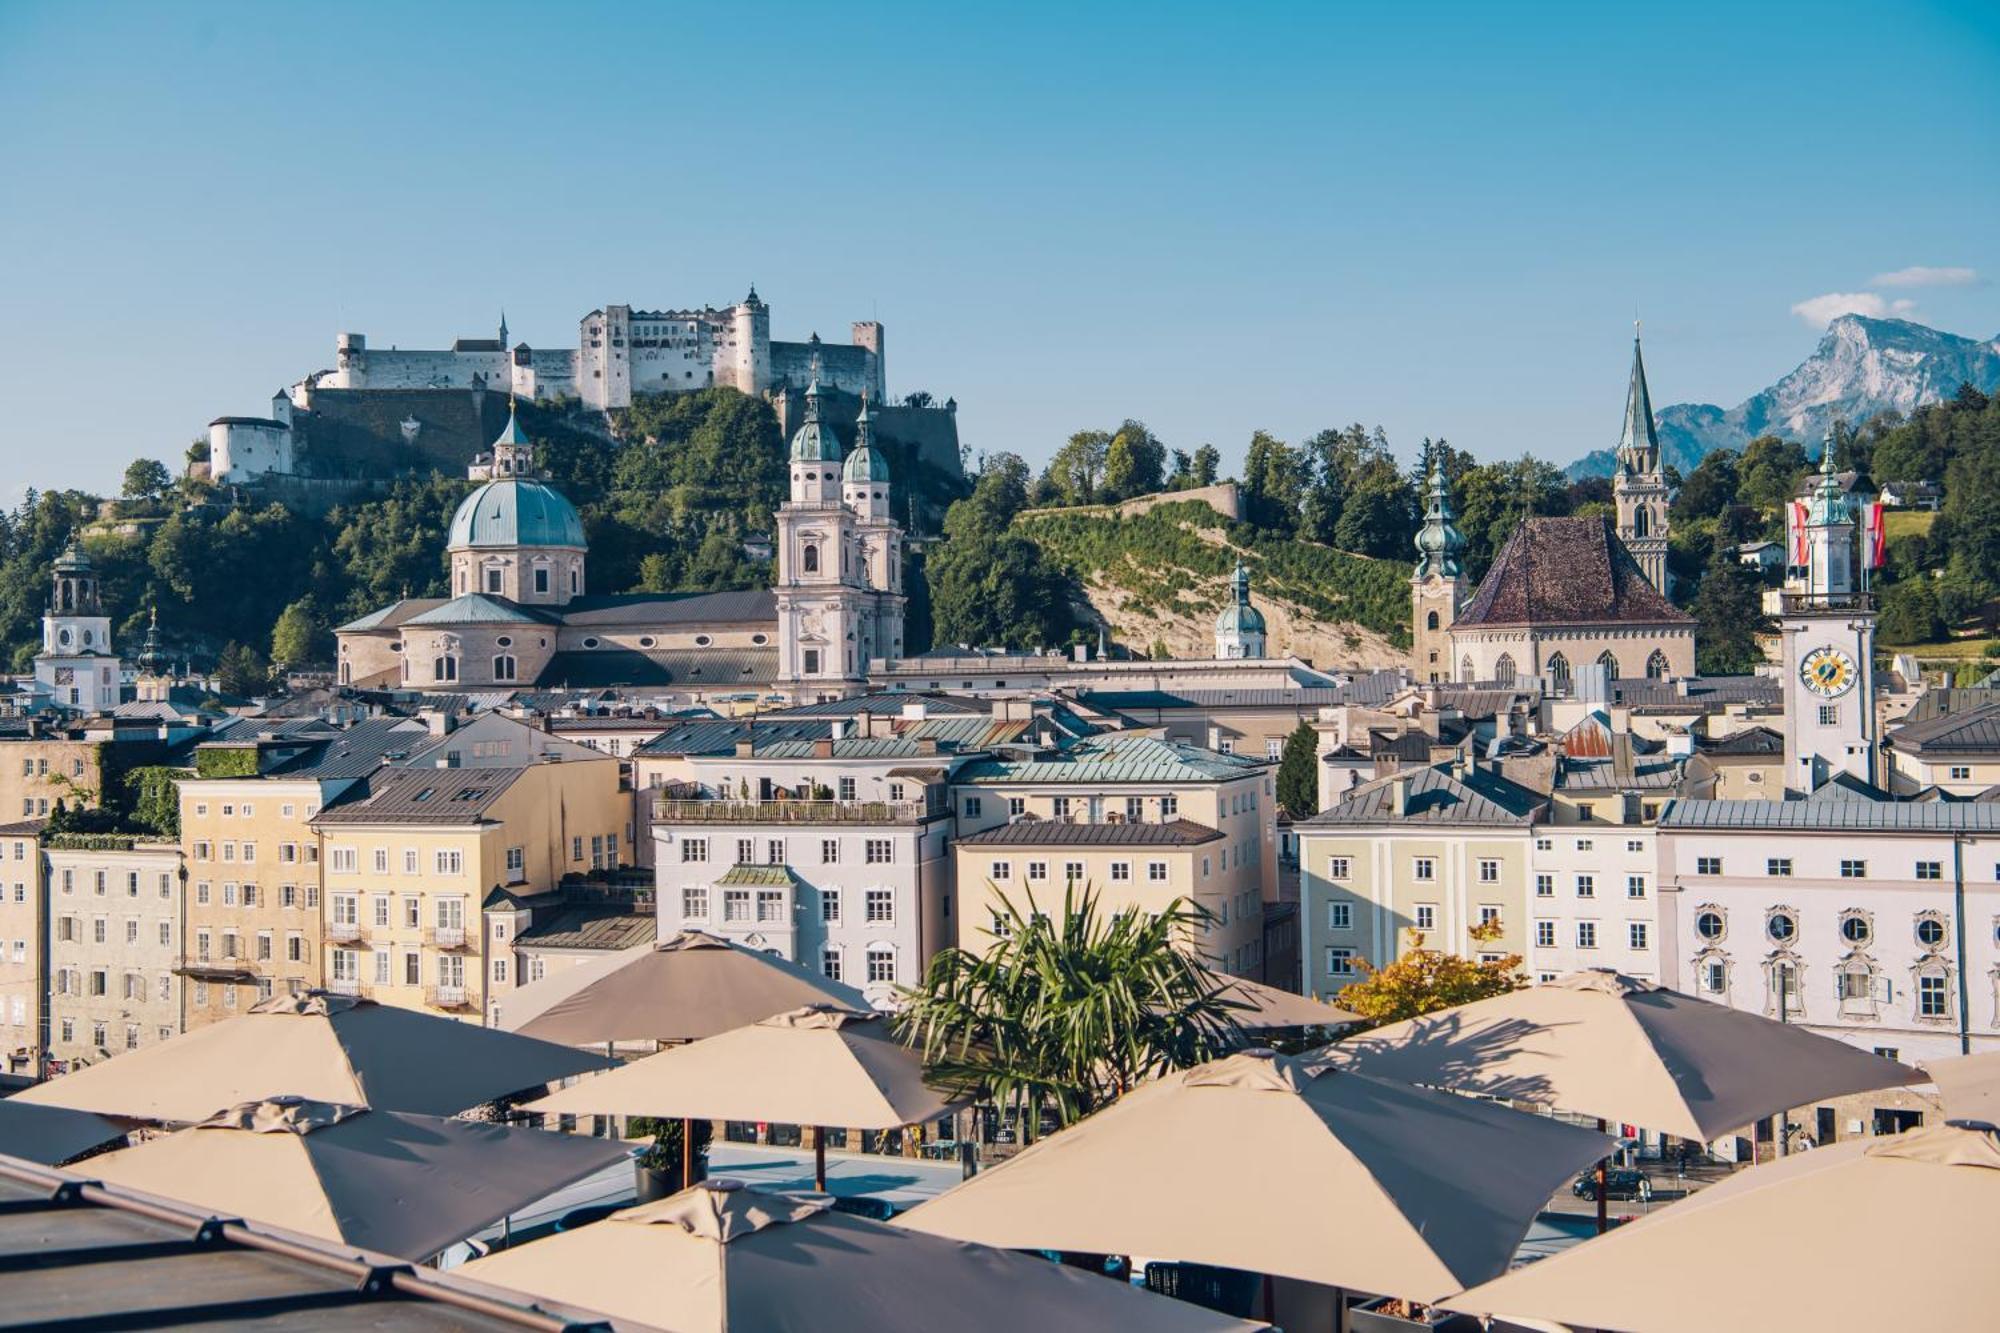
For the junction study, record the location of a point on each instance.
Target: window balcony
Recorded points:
(445, 937)
(347, 986)
(446, 997)
(343, 932)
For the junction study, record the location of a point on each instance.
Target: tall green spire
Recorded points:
(1440, 545)
(1639, 442)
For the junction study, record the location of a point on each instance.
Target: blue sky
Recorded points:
(1215, 218)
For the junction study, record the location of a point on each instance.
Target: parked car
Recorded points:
(1617, 1185)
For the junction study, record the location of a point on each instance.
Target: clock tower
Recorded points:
(1827, 623)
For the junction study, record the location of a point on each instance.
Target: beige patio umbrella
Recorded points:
(682, 989)
(1604, 1044)
(407, 1185)
(1268, 1163)
(1969, 1086)
(51, 1135)
(818, 1065)
(1890, 1233)
(327, 1048)
(1260, 1008)
(722, 1257)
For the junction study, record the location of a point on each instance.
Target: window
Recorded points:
(379, 861)
(1016, 806)
(1714, 978)
(1586, 812)
(881, 906)
(517, 862)
(1708, 865)
(694, 902)
(1038, 870)
(881, 964)
(1585, 844)
(1854, 870)
(1340, 962)
(972, 806)
(1427, 914)
(1060, 806)
(1709, 925)
(848, 790)
(1635, 934)
(1781, 926)
(1586, 886)
(1635, 886)
(770, 905)
(1930, 870)
(1856, 929)
(1340, 916)
(829, 906)
(1586, 934)
(1072, 872)
(1930, 932)
(736, 904)
(1489, 914)
(1545, 934)
(1961, 774)
(1829, 715)
(829, 963)
(1545, 886)
(999, 870)
(1634, 845)
(1545, 844)
(880, 851)
(450, 861)
(1489, 872)
(774, 851)
(499, 967)
(745, 851)
(1778, 865)
(341, 860)
(381, 910)
(829, 851)
(1933, 996)
(693, 850)
(1423, 868)
(1339, 867)
(1170, 807)
(1121, 871)
(1156, 872)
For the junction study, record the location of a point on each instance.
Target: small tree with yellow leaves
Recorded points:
(1424, 981)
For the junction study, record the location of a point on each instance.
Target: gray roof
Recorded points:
(356, 752)
(1116, 757)
(1304, 699)
(478, 608)
(605, 926)
(755, 606)
(1567, 571)
(1756, 742)
(1057, 833)
(1834, 816)
(719, 735)
(1701, 691)
(1974, 731)
(447, 796)
(687, 668)
(1953, 699)
(1434, 796)
(887, 703)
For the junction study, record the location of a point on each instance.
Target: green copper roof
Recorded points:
(1638, 443)
(814, 441)
(865, 464)
(764, 877)
(1440, 545)
(515, 511)
(513, 434)
(1239, 616)
(1117, 758)
(479, 609)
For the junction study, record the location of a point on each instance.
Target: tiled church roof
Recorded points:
(1567, 571)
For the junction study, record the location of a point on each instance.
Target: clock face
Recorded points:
(1827, 672)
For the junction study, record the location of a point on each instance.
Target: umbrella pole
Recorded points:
(1340, 1310)
(1603, 1214)
(687, 1153)
(819, 1159)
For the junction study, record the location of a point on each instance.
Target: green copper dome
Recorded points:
(865, 464)
(814, 441)
(1239, 617)
(515, 512)
(1440, 545)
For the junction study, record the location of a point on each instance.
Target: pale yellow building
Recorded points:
(1429, 852)
(115, 917)
(24, 933)
(408, 861)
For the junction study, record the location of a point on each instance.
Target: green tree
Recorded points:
(1274, 484)
(1769, 472)
(1729, 612)
(1910, 612)
(991, 585)
(1076, 473)
(242, 671)
(1298, 772)
(1207, 465)
(146, 479)
(1069, 1011)
(1134, 463)
(298, 638)
(1708, 490)
(1423, 981)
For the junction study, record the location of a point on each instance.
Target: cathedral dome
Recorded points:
(515, 512)
(864, 464)
(1244, 619)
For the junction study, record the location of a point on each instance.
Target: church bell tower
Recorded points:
(1437, 588)
(1640, 485)
(1827, 623)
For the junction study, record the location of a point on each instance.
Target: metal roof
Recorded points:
(605, 926)
(1975, 731)
(1118, 758)
(888, 703)
(755, 876)
(83, 1255)
(478, 608)
(756, 606)
(1057, 833)
(356, 752)
(448, 796)
(1434, 796)
(688, 668)
(1834, 816)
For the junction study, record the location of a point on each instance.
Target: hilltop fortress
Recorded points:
(379, 412)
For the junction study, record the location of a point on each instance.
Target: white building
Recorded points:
(1826, 623)
(76, 666)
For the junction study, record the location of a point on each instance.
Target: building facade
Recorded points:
(24, 948)
(76, 665)
(116, 915)
(1826, 624)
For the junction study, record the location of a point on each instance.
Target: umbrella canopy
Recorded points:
(327, 1048)
(1263, 1008)
(683, 989)
(818, 1065)
(720, 1256)
(1969, 1086)
(1272, 1164)
(1603, 1044)
(407, 1185)
(1872, 1233)
(51, 1135)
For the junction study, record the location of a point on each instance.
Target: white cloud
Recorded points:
(1819, 311)
(1922, 275)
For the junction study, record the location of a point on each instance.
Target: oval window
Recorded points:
(1709, 925)
(702, 640)
(760, 639)
(504, 642)
(1855, 930)
(590, 643)
(1930, 932)
(645, 641)
(1781, 926)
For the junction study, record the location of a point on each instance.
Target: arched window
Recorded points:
(1503, 670)
(445, 668)
(575, 581)
(1657, 667)
(503, 667)
(1431, 620)
(1609, 661)
(809, 558)
(1465, 669)
(1558, 673)
(1641, 521)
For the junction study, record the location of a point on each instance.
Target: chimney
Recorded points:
(746, 748)
(837, 732)
(864, 724)
(915, 712)
(1399, 798)
(823, 748)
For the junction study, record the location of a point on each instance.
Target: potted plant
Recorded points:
(658, 1171)
(1392, 1314)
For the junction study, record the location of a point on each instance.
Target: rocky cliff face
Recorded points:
(1862, 367)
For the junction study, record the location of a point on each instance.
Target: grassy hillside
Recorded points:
(1163, 575)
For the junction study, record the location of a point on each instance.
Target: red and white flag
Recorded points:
(1795, 531)
(1875, 551)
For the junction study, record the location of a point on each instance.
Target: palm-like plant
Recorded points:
(1070, 1011)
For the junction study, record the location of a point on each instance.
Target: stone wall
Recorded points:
(1221, 497)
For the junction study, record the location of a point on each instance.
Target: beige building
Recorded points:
(1124, 779)
(409, 858)
(46, 766)
(115, 917)
(24, 935)
(1143, 866)
(1957, 753)
(1425, 852)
